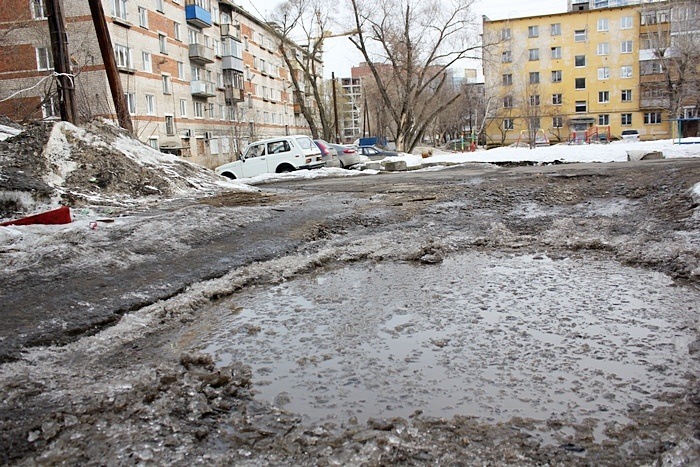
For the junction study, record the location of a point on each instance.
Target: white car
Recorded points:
(630, 135)
(274, 155)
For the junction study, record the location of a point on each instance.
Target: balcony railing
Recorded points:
(231, 30)
(233, 95)
(203, 88)
(196, 15)
(232, 63)
(201, 54)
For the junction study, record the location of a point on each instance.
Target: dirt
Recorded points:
(137, 389)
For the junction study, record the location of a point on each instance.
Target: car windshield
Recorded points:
(256, 150)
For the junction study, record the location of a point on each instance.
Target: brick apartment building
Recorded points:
(201, 78)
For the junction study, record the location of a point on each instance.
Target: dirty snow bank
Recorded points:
(96, 165)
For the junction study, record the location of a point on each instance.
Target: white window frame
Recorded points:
(603, 48)
(143, 17)
(198, 109)
(508, 124)
(122, 56)
(626, 47)
(584, 61)
(603, 97)
(557, 99)
(167, 84)
(147, 61)
(177, 31)
(169, 125)
(626, 22)
(626, 71)
(581, 107)
(555, 29)
(44, 59)
(603, 24)
(557, 122)
(626, 95)
(604, 119)
(119, 9)
(38, 9)
(163, 43)
(130, 100)
(580, 35)
(150, 104)
(160, 6)
(556, 52)
(557, 76)
(576, 83)
(181, 70)
(183, 108)
(626, 119)
(533, 31)
(604, 72)
(153, 142)
(534, 54)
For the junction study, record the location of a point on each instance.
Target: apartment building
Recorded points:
(573, 75)
(201, 78)
(352, 109)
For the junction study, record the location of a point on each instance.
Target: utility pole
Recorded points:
(61, 61)
(335, 111)
(115, 84)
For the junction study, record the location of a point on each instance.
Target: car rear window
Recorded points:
(305, 142)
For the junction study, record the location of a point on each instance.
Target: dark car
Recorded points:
(376, 154)
(329, 154)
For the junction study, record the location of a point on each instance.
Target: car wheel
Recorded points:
(229, 175)
(342, 166)
(284, 169)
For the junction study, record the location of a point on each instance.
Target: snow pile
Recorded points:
(7, 132)
(325, 172)
(51, 164)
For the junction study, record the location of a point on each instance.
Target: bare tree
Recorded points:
(672, 35)
(417, 41)
(308, 22)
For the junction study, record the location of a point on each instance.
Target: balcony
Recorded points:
(232, 63)
(201, 54)
(231, 30)
(654, 102)
(228, 2)
(196, 15)
(233, 95)
(202, 88)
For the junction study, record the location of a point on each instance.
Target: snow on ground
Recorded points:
(325, 172)
(8, 131)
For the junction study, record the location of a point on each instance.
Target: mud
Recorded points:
(519, 316)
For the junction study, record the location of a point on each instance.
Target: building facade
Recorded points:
(201, 78)
(569, 76)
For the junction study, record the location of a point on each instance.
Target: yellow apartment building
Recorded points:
(571, 76)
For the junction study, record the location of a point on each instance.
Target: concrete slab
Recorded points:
(643, 155)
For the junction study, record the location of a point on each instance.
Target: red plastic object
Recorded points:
(56, 216)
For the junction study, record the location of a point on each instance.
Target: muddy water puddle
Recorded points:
(492, 336)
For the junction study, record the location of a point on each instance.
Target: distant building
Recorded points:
(202, 78)
(575, 75)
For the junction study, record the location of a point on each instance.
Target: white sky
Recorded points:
(339, 55)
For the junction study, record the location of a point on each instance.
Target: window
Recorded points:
(533, 31)
(626, 47)
(580, 83)
(222, 112)
(603, 48)
(166, 84)
(507, 79)
(580, 60)
(603, 97)
(143, 17)
(198, 110)
(626, 22)
(180, 70)
(535, 100)
(625, 119)
(506, 57)
(183, 108)
(508, 124)
(159, 6)
(580, 35)
(557, 99)
(44, 60)
(534, 54)
(555, 29)
(604, 119)
(651, 67)
(557, 122)
(556, 53)
(626, 71)
(169, 125)
(505, 34)
(556, 76)
(581, 106)
(130, 99)
(534, 77)
(508, 102)
(626, 95)
(163, 43)
(177, 31)
(49, 108)
(118, 9)
(651, 118)
(147, 64)
(150, 104)
(604, 72)
(38, 10)
(153, 142)
(603, 24)
(211, 110)
(122, 55)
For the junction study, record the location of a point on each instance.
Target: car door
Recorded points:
(254, 161)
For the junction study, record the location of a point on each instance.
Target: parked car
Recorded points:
(376, 154)
(329, 154)
(274, 155)
(630, 135)
(347, 155)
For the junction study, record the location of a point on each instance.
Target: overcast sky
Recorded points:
(339, 55)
